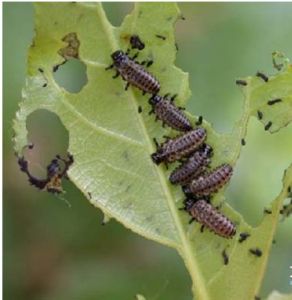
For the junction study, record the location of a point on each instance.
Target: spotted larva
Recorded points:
(193, 167)
(210, 217)
(168, 113)
(134, 73)
(179, 147)
(211, 182)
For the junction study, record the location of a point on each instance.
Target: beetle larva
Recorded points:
(169, 114)
(193, 167)
(211, 182)
(134, 73)
(210, 217)
(179, 147)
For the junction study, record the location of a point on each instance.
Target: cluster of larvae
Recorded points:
(198, 182)
(189, 148)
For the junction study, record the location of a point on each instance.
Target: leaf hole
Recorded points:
(116, 12)
(47, 140)
(257, 179)
(71, 75)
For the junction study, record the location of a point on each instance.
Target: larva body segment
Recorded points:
(192, 168)
(134, 73)
(210, 217)
(211, 182)
(168, 113)
(179, 147)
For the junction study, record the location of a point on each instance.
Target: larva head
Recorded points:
(188, 202)
(156, 158)
(227, 170)
(154, 100)
(118, 57)
(207, 151)
(187, 191)
(201, 205)
(201, 131)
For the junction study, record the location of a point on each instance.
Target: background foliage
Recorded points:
(50, 248)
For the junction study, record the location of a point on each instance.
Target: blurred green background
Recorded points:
(56, 251)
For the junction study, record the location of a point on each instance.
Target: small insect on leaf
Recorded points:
(193, 167)
(211, 182)
(243, 236)
(180, 147)
(262, 76)
(166, 111)
(210, 217)
(256, 252)
(160, 36)
(274, 101)
(200, 121)
(267, 211)
(225, 257)
(268, 125)
(241, 82)
(260, 114)
(134, 73)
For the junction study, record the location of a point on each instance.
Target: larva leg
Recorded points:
(127, 86)
(109, 67)
(135, 56)
(173, 97)
(116, 75)
(191, 220)
(149, 63)
(156, 143)
(151, 112)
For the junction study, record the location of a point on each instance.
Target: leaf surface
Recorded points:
(111, 142)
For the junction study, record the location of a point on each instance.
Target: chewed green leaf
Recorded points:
(111, 142)
(251, 269)
(271, 101)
